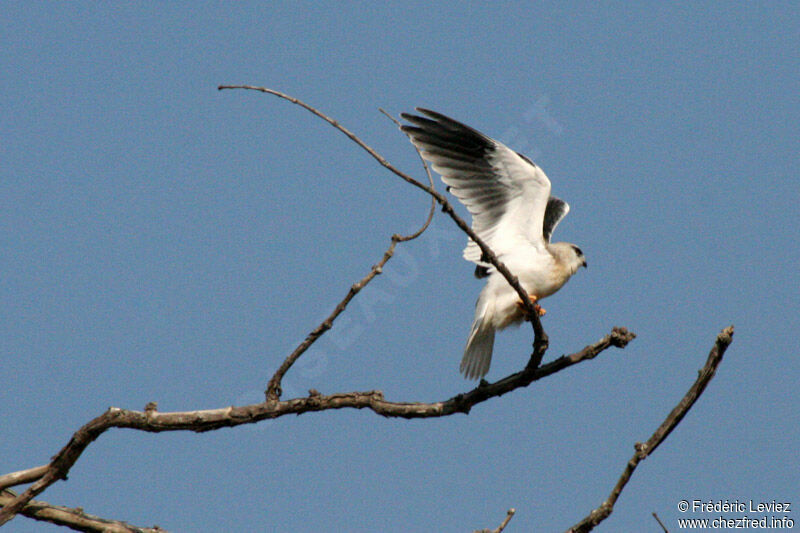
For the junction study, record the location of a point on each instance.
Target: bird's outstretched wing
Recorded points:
(506, 193)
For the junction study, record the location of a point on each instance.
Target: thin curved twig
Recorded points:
(540, 341)
(274, 391)
(675, 416)
(206, 420)
(430, 183)
(660, 523)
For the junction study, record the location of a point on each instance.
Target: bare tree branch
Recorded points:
(75, 519)
(23, 476)
(503, 524)
(660, 523)
(199, 421)
(206, 420)
(540, 342)
(273, 391)
(605, 509)
(430, 183)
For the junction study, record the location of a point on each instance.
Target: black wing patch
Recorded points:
(526, 159)
(555, 211)
(481, 271)
(455, 140)
(463, 156)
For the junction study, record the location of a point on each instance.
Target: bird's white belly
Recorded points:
(542, 281)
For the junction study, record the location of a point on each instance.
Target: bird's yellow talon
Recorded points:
(536, 307)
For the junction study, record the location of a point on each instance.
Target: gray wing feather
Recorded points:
(555, 211)
(460, 154)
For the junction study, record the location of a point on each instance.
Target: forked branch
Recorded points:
(675, 416)
(273, 391)
(153, 421)
(540, 342)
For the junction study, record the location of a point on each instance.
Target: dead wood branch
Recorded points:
(199, 421)
(674, 418)
(540, 341)
(503, 524)
(273, 391)
(72, 518)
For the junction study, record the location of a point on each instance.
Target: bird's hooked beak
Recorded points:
(585, 264)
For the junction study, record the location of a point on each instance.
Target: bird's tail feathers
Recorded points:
(478, 353)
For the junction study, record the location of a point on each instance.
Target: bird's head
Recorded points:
(569, 255)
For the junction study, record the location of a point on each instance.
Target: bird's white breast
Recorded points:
(539, 274)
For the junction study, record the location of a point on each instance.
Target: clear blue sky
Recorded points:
(163, 241)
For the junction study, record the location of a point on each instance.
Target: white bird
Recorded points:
(512, 211)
